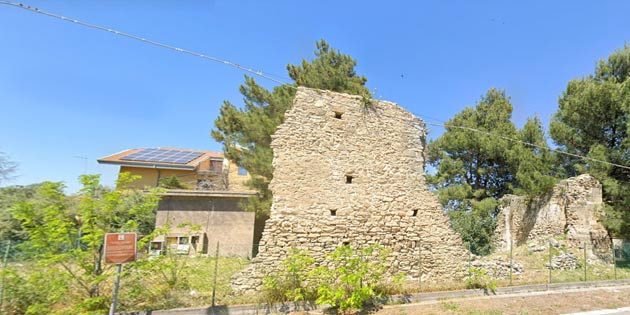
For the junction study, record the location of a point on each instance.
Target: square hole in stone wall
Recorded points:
(414, 213)
(349, 179)
(338, 115)
(333, 213)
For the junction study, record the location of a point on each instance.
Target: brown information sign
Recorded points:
(120, 248)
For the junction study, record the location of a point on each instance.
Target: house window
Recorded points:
(242, 171)
(216, 167)
(183, 240)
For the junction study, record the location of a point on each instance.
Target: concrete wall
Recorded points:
(387, 202)
(195, 203)
(219, 218)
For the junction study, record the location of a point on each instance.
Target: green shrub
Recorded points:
(31, 293)
(172, 182)
(290, 284)
(349, 279)
(479, 279)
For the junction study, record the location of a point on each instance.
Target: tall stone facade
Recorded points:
(571, 210)
(347, 173)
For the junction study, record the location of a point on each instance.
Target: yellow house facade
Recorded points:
(196, 169)
(204, 210)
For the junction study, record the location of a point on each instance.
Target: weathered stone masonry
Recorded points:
(571, 210)
(346, 173)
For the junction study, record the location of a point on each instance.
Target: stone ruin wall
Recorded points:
(570, 211)
(387, 202)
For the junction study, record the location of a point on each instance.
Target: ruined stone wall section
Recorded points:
(347, 174)
(570, 211)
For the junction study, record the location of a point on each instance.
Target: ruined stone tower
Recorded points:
(347, 173)
(571, 210)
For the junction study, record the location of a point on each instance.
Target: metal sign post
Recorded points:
(120, 248)
(112, 308)
(216, 270)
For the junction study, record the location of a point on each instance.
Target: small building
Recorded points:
(203, 210)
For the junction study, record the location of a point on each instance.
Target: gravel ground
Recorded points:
(559, 302)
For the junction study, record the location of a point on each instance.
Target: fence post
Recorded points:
(549, 277)
(614, 260)
(216, 270)
(469, 260)
(420, 265)
(585, 262)
(511, 259)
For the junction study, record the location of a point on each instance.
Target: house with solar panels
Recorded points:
(203, 209)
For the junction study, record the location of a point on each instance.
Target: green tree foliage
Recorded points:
(10, 228)
(593, 119)
(246, 132)
(33, 292)
(7, 167)
(535, 168)
(330, 70)
(67, 233)
(474, 169)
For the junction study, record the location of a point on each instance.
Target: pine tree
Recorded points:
(475, 169)
(246, 132)
(593, 119)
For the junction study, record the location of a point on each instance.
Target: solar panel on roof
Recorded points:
(163, 156)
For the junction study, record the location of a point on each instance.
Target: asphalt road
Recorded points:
(618, 311)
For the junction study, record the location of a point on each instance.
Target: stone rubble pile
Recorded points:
(564, 261)
(496, 268)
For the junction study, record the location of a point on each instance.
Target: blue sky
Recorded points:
(70, 93)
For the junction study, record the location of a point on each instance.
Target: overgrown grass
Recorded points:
(189, 282)
(171, 282)
(193, 287)
(536, 271)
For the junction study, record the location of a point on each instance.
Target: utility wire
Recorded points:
(529, 144)
(268, 77)
(446, 125)
(142, 39)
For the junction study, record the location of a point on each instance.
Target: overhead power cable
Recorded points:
(446, 125)
(142, 39)
(268, 77)
(529, 144)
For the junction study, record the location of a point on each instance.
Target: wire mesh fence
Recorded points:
(173, 279)
(169, 279)
(557, 262)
